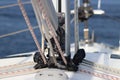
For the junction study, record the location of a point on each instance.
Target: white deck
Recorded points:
(97, 53)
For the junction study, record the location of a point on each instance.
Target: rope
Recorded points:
(13, 66)
(113, 18)
(13, 5)
(100, 75)
(16, 32)
(52, 32)
(44, 31)
(31, 30)
(27, 68)
(99, 67)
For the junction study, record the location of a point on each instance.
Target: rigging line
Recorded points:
(31, 30)
(113, 18)
(52, 32)
(16, 32)
(43, 29)
(13, 5)
(8, 71)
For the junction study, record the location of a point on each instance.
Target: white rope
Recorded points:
(15, 70)
(16, 32)
(13, 5)
(52, 32)
(31, 30)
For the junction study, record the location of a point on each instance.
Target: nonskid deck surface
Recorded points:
(87, 67)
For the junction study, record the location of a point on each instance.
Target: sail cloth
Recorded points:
(55, 3)
(40, 16)
(46, 12)
(50, 11)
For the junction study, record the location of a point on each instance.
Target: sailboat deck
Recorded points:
(86, 73)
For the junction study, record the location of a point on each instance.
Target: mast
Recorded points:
(67, 27)
(76, 26)
(99, 4)
(79, 3)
